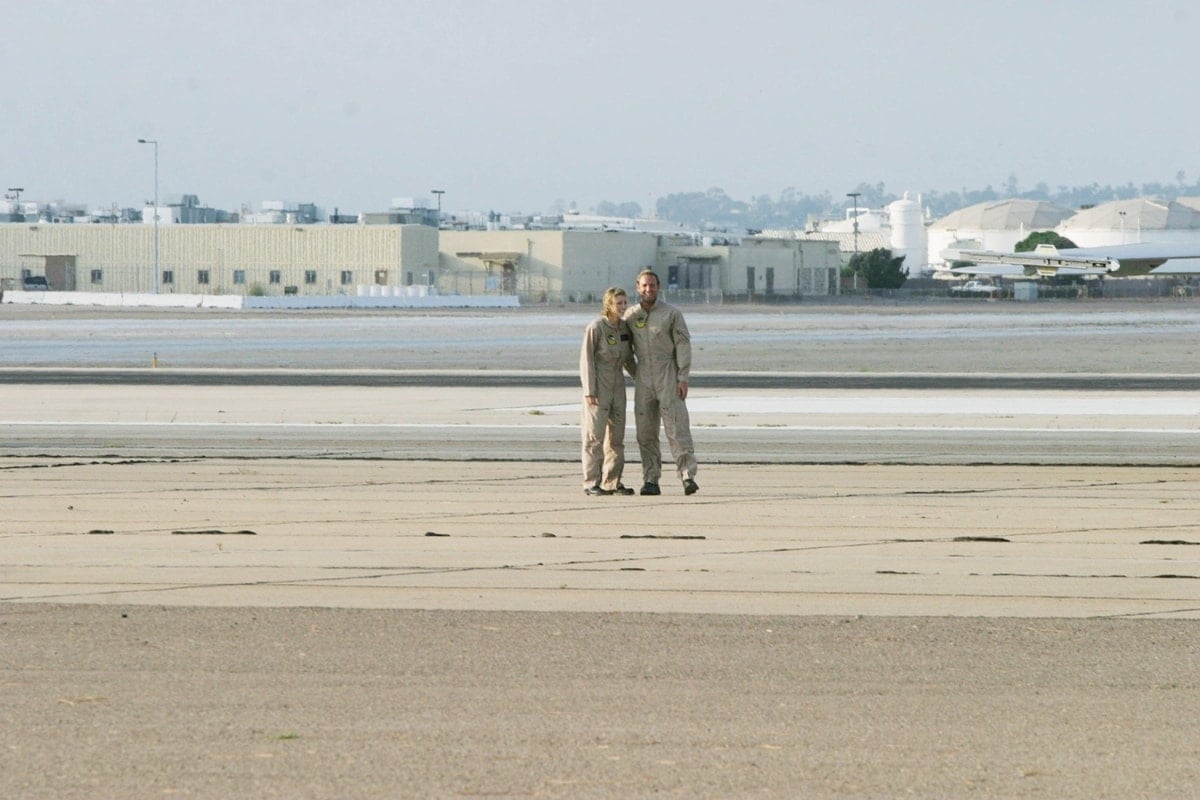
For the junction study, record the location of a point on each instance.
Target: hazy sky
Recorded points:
(518, 105)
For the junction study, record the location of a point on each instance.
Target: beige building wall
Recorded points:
(820, 268)
(525, 263)
(755, 267)
(538, 266)
(596, 260)
(543, 266)
(577, 266)
(419, 258)
(206, 259)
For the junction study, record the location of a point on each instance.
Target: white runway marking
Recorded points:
(563, 426)
(995, 403)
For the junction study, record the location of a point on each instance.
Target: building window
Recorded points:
(168, 276)
(97, 276)
(239, 276)
(202, 277)
(310, 276)
(275, 277)
(347, 277)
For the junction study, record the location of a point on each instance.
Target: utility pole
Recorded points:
(855, 196)
(439, 193)
(155, 143)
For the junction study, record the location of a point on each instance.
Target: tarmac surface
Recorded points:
(368, 589)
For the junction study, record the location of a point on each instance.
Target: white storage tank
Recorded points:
(908, 234)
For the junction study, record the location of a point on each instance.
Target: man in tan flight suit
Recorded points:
(663, 348)
(606, 352)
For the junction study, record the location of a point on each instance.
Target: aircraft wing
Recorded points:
(1120, 260)
(994, 270)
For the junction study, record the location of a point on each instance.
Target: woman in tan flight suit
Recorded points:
(606, 352)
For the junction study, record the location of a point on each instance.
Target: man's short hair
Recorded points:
(651, 273)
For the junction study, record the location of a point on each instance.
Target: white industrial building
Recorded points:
(993, 225)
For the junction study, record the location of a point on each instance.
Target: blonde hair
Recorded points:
(611, 294)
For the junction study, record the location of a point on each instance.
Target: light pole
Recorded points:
(855, 196)
(439, 193)
(155, 143)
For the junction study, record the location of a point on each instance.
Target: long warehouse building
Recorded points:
(325, 259)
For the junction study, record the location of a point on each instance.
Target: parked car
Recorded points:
(35, 283)
(976, 287)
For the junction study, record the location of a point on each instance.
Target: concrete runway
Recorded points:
(216, 413)
(878, 540)
(216, 590)
(215, 627)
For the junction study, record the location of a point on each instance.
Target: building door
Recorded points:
(749, 280)
(770, 280)
(60, 273)
(688, 274)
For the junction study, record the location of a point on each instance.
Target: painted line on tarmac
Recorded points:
(763, 427)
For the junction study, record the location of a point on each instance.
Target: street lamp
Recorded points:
(855, 195)
(155, 143)
(439, 193)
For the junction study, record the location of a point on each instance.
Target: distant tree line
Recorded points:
(792, 209)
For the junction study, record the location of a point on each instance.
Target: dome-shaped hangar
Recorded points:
(1141, 219)
(1005, 215)
(993, 225)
